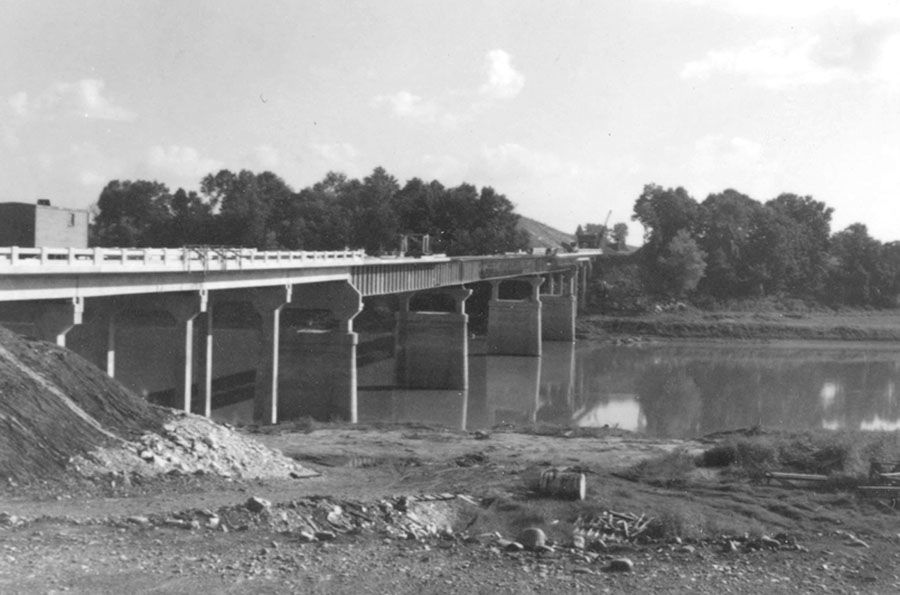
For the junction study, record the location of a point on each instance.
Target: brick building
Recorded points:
(42, 225)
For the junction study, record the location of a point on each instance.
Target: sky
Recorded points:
(567, 107)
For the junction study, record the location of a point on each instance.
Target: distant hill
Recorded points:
(544, 236)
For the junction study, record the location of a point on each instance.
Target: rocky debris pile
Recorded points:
(61, 415)
(322, 518)
(189, 444)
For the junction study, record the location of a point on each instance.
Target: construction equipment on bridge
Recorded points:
(415, 244)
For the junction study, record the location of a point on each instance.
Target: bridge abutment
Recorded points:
(433, 347)
(514, 325)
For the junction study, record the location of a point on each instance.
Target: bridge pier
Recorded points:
(321, 376)
(433, 347)
(184, 308)
(514, 325)
(268, 303)
(558, 309)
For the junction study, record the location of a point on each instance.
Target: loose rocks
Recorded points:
(532, 538)
(619, 565)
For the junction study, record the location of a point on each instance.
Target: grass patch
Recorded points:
(670, 470)
(845, 456)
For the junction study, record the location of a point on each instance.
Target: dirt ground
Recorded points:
(421, 510)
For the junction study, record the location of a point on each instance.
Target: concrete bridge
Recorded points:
(50, 292)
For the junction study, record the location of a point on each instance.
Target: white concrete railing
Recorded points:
(16, 258)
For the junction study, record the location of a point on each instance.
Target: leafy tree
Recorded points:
(803, 257)
(680, 266)
(620, 235)
(859, 276)
(131, 214)
(665, 212)
(726, 228)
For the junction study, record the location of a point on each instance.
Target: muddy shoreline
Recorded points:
(875, 326)
(713, 528)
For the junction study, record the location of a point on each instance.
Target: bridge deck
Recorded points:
(60, 273)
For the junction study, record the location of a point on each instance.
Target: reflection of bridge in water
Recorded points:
(164, 319)
(671, 389)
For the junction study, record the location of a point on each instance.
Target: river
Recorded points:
(672, 389)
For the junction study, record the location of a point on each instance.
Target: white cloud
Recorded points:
(835, 42)
(83, 98)
(267, 157)
(409, 106)
(718, 162)
(19, 103)
(503, 81)
(864, 10)
(404, 104)
(92, 179)
(516, 160)
(774, 63)
(336, 156)
(850, 54)
(182, 162)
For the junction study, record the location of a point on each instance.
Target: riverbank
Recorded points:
(418, 509)
(879, 325)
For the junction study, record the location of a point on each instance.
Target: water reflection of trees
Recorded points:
(692, 390)
(670, 400)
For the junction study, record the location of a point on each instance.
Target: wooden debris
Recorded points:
(786, 478)
(610, 527)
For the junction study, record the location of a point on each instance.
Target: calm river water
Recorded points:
(671, 389)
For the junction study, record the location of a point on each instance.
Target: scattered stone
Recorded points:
(578, 542)
(8, 520)
(619, 565)
(325, 535)
(510, 546)
(544, 549)
(688, 549)
(255, 504)
(582, 570)
(769, 542)
(532, 537)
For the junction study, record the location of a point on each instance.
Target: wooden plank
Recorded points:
(796, 476)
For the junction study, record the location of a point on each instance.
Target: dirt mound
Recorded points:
(59, 414)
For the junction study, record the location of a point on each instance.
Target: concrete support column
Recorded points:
(110, 360)
(321, 380)
(184, 308)
(514, 326)
(205, 359)
(433, 347)
(558, 312)
(584, 271)
(53, 320)
(268, 302)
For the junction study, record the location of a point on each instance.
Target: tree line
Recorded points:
(260, 210)
(731, 246)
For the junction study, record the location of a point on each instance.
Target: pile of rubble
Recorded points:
(189, 444)
(60, 415)
(322, 518)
